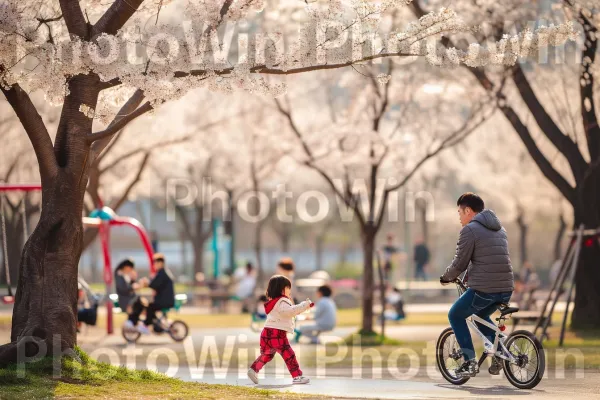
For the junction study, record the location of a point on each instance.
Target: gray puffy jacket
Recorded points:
(483, 248)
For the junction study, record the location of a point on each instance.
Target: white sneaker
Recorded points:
(143, 329)
(253, 375)
(300, 380)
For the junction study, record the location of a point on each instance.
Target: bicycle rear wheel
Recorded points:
(449, 357)
(529, 369)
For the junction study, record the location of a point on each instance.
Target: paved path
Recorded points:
(476, 388)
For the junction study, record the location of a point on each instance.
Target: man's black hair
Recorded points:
(286, 265)
(325, 290)
(277, 285)
(128, 262)
(472, 201)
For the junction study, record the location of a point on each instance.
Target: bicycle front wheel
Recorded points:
(530, 360)
(449, 357)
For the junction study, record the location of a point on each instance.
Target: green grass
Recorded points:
(370, 339)
(89, 379)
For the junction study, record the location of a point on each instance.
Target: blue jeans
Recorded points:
(481, 304)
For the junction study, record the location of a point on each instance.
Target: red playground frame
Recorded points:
(103, 225)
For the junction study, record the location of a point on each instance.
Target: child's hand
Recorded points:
(310, 303)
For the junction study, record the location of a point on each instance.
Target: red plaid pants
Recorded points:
(275, 341)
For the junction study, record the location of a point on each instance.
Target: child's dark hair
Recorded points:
(277, 285)
(325, 290)
(286, 263)
(262, 299)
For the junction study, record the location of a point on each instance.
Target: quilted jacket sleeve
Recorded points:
(464, 251)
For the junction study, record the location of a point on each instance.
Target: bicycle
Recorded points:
(511, 351)
(178, 330)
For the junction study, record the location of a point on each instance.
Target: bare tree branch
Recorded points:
(117, 204)
(347, 197)
(120, 124)
(130, 105)
(13, 165)
(449, 141)
(135, 152)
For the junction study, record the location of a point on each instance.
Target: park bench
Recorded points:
(526, 316)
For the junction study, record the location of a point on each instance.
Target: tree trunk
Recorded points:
(522, 237)
(198, 259)
(424, 226)
(258, 251)
(44, 313)
(586, 312)
(46, 299)
(368, 244)
(319, 252)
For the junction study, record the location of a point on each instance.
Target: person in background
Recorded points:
(126, 285)
(530, 283)
(396, 302)
(421, 258)
(388, 252)
(287, 268)
(164, 294)
(259, 311)
(246, 286)
(325, 316)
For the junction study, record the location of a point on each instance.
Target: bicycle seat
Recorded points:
(505, 309)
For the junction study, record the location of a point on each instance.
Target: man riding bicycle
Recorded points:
(482, 250)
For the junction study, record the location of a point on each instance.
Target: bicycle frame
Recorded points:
(497, 348)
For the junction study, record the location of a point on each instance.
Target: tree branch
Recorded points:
(561, 141)
(449, 141)
(120, 124)
(132, 103)
(133, 153)
(36, 130)
(586, 86)
(117, 204)
(74, 18)
(116, 16)
(348, 200)
(13, 164)
(542, 162)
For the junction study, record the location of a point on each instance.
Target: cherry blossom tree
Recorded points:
(561, 101)
(72, 52)
(376, 144)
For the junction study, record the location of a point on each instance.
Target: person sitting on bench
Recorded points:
(164, 295)
(324, 317)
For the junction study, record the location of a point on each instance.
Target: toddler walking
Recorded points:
(280, 320)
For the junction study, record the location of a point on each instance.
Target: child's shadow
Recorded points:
(274, 386)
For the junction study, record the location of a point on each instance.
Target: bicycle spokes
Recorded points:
(526, 359)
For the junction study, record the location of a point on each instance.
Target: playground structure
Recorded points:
(102, 219)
